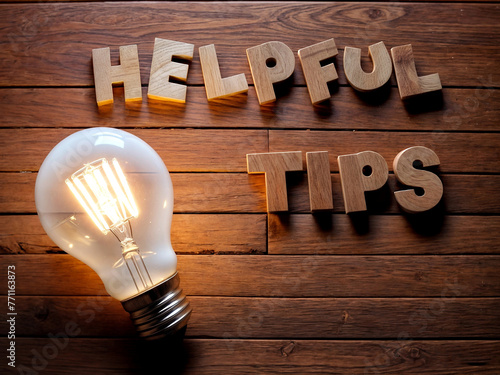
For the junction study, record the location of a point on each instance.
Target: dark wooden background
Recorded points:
(294, 293)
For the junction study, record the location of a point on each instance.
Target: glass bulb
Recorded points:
(105, 196)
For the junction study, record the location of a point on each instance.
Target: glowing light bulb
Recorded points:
(105, 196)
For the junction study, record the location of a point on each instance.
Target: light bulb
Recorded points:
(105, 196)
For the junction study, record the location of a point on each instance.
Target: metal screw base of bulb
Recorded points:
(161, 311)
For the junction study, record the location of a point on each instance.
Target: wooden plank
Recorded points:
(293, 234)
(258, 313)
(339, 234)
(224, 150)
(458, 110)
(237, 317)
(216, 150)
(17, 192)
(219, 234)
(461, 49)
(220, 1)
(243, 356)
(458, 152)
(194, 193)
(218, 192)
(242, 193)
(282, 276)
(456, 198)
(24, 234)
(191, 234)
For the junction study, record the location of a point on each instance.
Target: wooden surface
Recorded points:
(295, 292)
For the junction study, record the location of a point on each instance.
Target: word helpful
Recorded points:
(359, 173)
(270, 63)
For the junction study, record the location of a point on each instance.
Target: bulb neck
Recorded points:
(135, 265)
(160, 311)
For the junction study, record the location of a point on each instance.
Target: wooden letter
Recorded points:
(162, 68)
(320, 182)
(382, 67)
(216, 86)
(105, 75)
(270, 63)
(427, 181)
(409, 82)
(361, 172)
(274, 165)
(318, 76)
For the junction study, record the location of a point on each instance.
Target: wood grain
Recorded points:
(134, 1)
(316, 75)
(243, 356)
(362, 80)
(379, 277)
(270, 63)
(409, 83)
(163, 68)
(319, 181)
(194, 193)
(464, 57)
(458, 152)
(429, 183)
(458, 110)
(462, 194)
(216, 86)
(275, 166)
(243, 193)
(24, 150)
(282, 276)
(294, 234)
(128, 73)
(236, 317)
(191, 234)
(361, 173)
(339, 234)
(382, 292)
(217, 149)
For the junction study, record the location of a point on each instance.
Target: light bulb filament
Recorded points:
(103, 191)
(104, 194)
